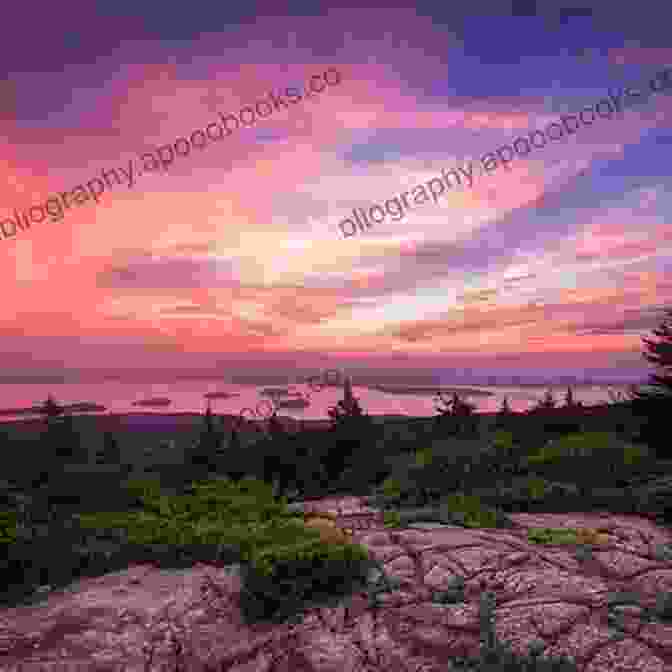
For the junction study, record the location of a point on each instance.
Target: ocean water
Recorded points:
(187, 397)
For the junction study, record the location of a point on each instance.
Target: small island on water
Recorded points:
(80, 407)
(275, 392)
(220, 395)
(402, 389)
(154, 401)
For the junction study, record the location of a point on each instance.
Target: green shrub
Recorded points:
(423, 457)
(392, 519)
(247, 499)
(283, 579)
(8, 527)
(590, 458)
(632, 454)
(547, 535)
(503, 441)
(143, 489)
(216, 512)
(577, 445)
(536, 487)
(469, 511)
(391, 487)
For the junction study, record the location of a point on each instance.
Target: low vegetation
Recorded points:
(82, 510)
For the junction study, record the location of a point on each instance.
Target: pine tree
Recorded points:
(546, 404)
(50, 409)
(445, 416)
(203, 452)
(232, 457)
(660, 355)
(456, 415)
(109, 453)
(60, 440)
(277, 459)
(276, 431)
(351, 429)
(655, 403)
(347, 411)
(504, 415)
(569, 399)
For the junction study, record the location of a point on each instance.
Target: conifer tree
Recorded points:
(504, 415)
(660, 355)
(204, 452)
(655, 403)
(546, 404)
(351, 429)
(60, 440)
(505, 408)
(569, 399)
(232, 457)
(278, 462)
(50, 409)
(109, 453)
(456, 415)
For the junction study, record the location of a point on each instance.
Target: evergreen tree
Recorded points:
(505, 408)
(504, 415)
(655, 403)
(569, 399)
(548, 403)
(456, 416)
(276, 458)
(660, 355)
(351, 430)
(60, 439)
(276, 431)
(109, 453)
(203, 454)
(231, 459)
(347, 411)
(50, 409)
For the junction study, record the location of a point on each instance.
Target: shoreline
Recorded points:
(133, 420)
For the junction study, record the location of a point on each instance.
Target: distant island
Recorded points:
(399, 389)
(275, 392)
(293, 402)
(220, 395)
(81, 407)
(154, 401)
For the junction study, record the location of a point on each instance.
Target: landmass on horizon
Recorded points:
(360, 378)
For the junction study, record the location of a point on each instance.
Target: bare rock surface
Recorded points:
(593, 609)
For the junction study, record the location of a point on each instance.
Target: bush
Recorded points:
(469, 511)
(503, 441)
(8, 527)
(282, 580)
(590, 459)
(547, 535)
(536, 488)
(53, 554)
(391, 487)
(392, 519)
(216, 513)
(423, 457)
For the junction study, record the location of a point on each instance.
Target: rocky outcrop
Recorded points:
(602, 607)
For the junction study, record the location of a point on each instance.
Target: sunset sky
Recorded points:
(232, 258)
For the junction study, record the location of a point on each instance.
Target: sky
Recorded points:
(234, 258)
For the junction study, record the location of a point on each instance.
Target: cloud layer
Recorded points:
(235, 254)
